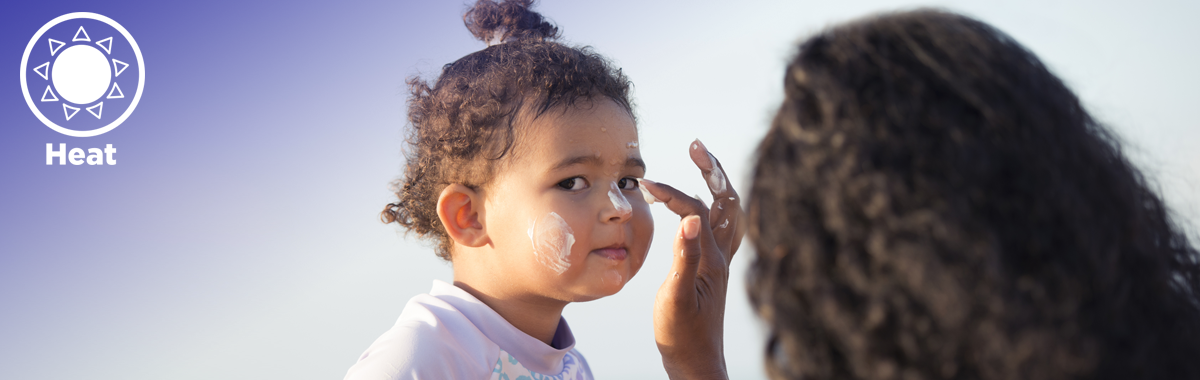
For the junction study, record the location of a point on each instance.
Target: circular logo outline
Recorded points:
(137, 51)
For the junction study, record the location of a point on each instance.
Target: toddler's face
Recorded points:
(566, 213)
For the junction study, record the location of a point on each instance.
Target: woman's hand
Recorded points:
(689, 311)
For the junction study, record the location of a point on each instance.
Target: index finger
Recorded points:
(714, 173)
(676, 200)
(726, 213)
(685, 206)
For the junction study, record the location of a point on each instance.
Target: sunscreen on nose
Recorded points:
(618, 200)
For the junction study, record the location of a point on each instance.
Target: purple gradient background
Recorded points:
(237, 238)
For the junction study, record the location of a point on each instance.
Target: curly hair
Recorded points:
(463, 125)
(931, 202)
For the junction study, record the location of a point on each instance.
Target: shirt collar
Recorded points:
(532, 353)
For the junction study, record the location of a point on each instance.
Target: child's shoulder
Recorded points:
(431, 339)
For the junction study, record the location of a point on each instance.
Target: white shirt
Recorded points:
(449, 334)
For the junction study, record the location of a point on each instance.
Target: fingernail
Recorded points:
(691, 227)
(650, 198)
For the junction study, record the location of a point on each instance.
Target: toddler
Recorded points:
(523, 168)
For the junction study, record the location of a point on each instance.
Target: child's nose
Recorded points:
(621, 209)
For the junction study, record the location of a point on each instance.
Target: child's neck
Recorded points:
(532, 314)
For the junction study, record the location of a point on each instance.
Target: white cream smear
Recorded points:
(611, 276)
(552, 240)
(650, 198)
(716, 178)
(631, 145)
(618, 200)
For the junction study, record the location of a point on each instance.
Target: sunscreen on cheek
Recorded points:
(552, 239)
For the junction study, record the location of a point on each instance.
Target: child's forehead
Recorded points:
(598, 118)
(601, 128)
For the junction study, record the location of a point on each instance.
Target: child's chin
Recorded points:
(592, 297)
(601, 289)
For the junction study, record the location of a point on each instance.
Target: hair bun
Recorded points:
(496, 22)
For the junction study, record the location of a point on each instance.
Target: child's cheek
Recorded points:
(552, 240)
(643, 235)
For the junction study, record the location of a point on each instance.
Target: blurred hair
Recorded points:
(932, 203)
(463, 124)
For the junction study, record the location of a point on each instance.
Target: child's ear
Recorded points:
(459, 207)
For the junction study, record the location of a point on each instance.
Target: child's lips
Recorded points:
(617, 254)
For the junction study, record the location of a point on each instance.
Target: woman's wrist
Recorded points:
(709, 368)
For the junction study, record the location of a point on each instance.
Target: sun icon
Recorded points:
(88, 71)
(82, 74)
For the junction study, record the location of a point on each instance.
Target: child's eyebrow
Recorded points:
(634, 161)
(594, 160)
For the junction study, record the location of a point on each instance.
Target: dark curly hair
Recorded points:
(931, 202)
(463, 125)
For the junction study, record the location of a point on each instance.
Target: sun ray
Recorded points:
(84, 33)
(55, 45)
(107, 47)
(115, 90)
(70, 111)
(96, 110)
(48, 96)
(43, 70)
(119, 67)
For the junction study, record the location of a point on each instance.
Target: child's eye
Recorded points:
(573, 183)
(627, 184)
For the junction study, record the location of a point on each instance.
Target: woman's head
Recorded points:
(932, 202)
(497, 121)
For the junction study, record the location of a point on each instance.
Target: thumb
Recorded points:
(682, 280)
